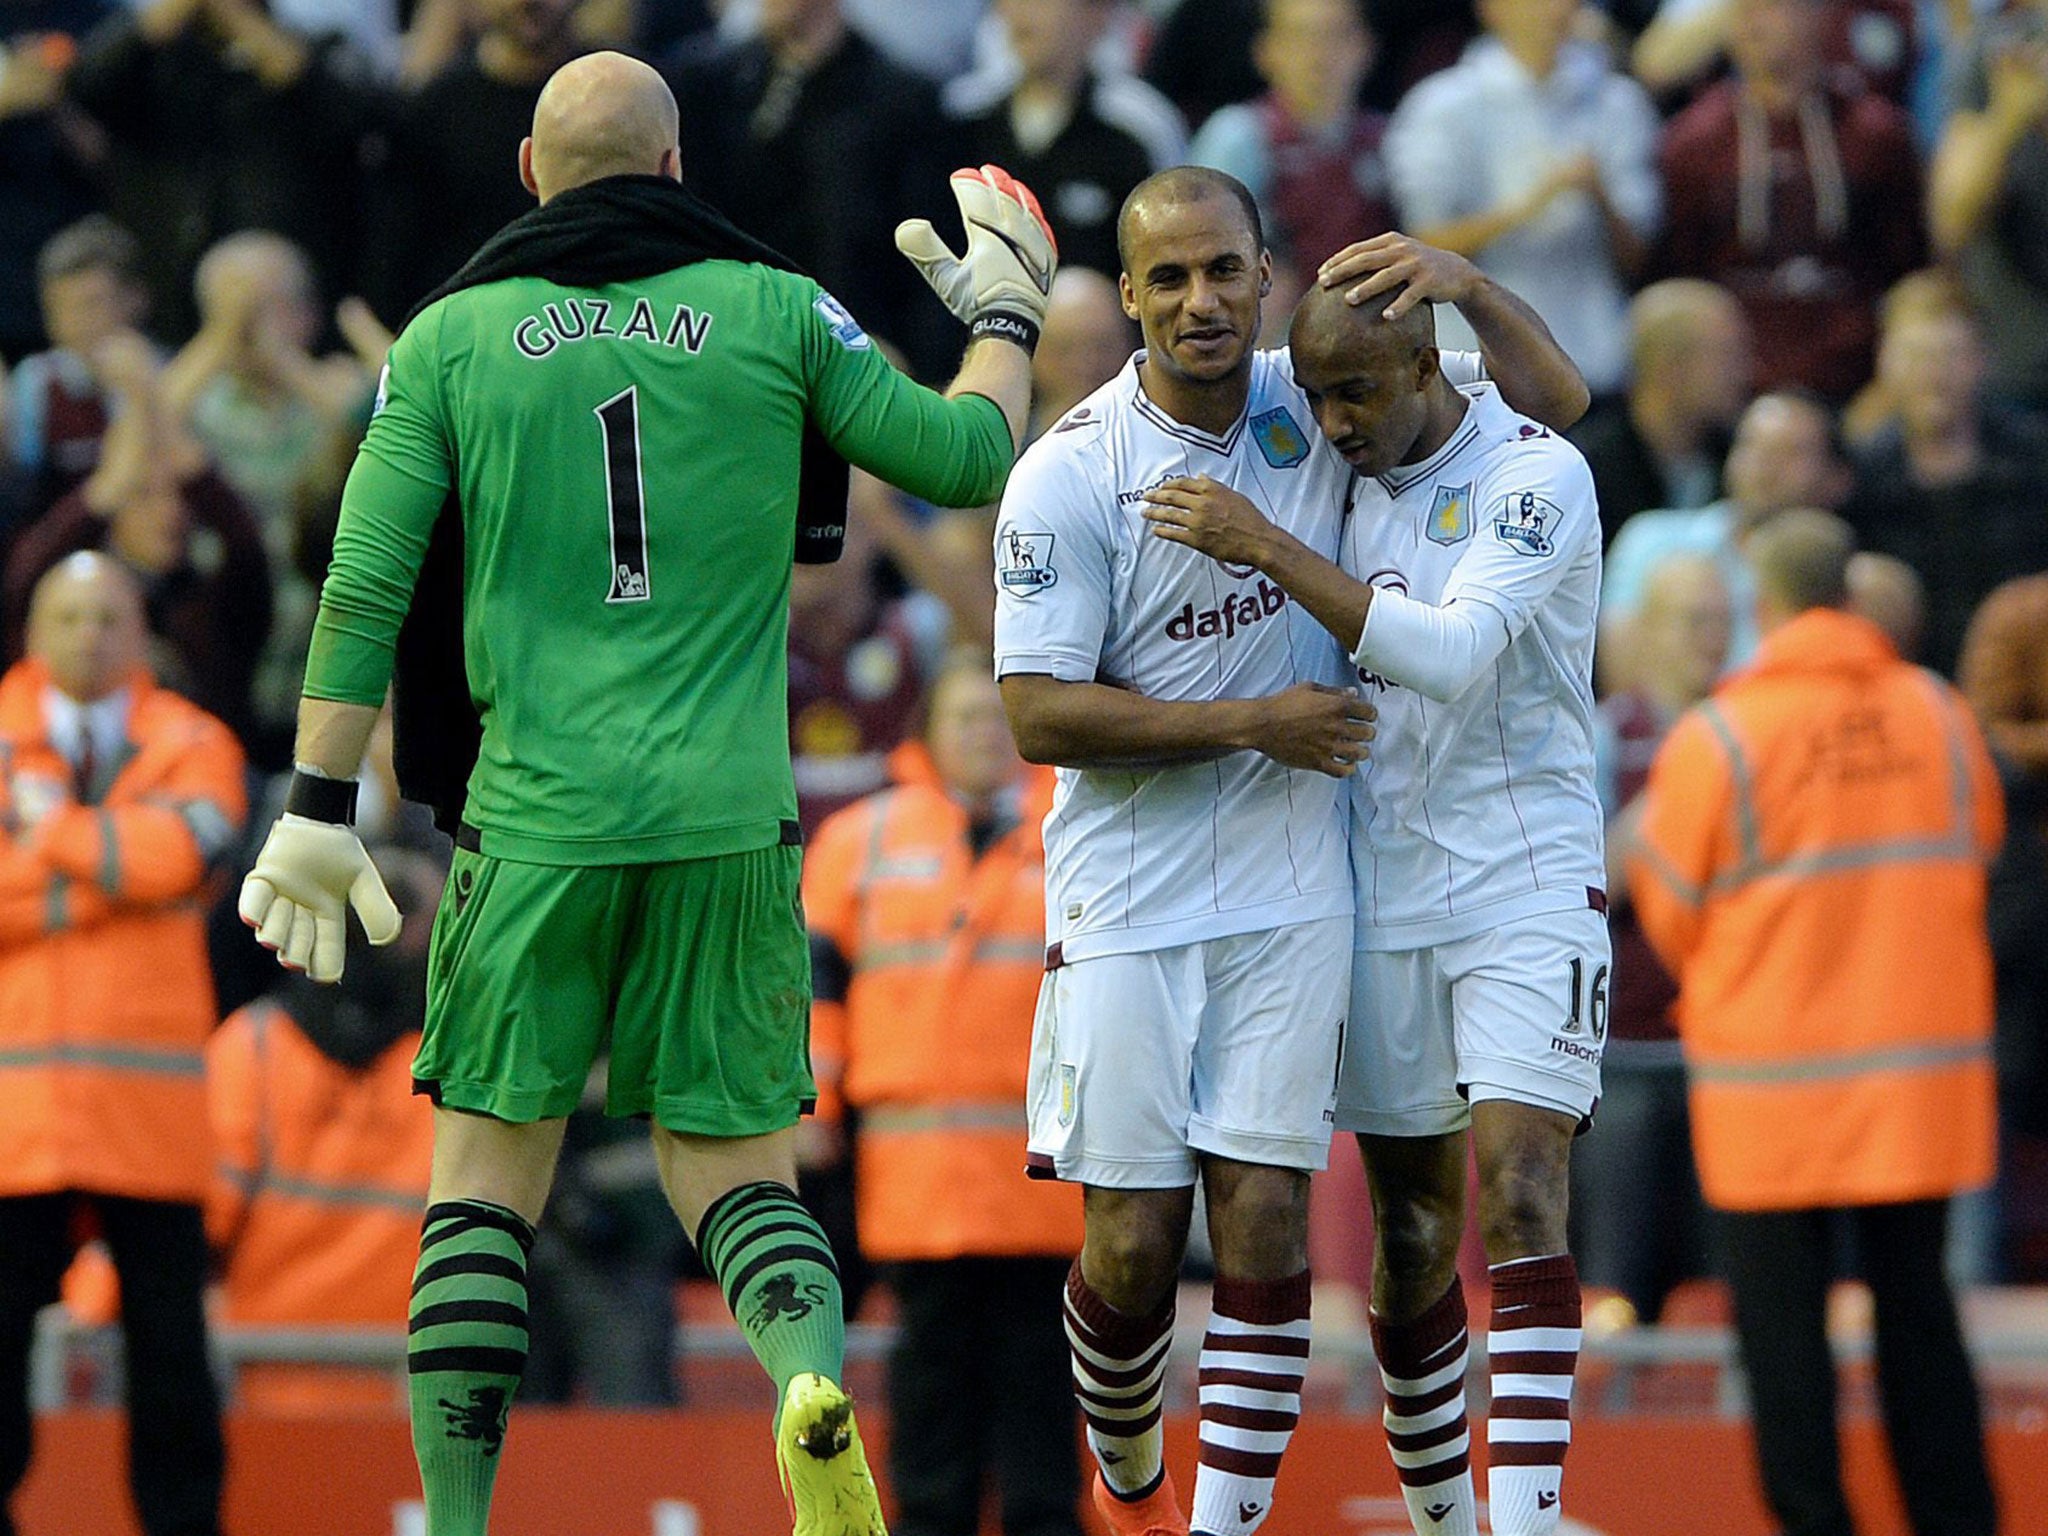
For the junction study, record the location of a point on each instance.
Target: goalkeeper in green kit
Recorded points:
(611, 401)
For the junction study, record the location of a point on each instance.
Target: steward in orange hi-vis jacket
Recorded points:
(1812, 869)
(323, 1154)
(105, 996)
(115, 798)
(926, 905)
(1812, 866)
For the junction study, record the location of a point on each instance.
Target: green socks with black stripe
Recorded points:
(771, 1259)
(465, 1353)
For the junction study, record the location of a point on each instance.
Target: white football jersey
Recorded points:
(1148, 859)
(1483, 809)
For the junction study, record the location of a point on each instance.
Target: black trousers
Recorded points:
(1780, 1264)
(980, 1385)
(176, 1458)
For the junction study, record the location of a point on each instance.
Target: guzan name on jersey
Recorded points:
(1144, 860)
(1481, 810)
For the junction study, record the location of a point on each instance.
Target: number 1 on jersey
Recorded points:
(619, 418)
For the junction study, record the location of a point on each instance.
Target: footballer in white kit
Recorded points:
(1197, 914)
(1467, 588)
(1476, 837)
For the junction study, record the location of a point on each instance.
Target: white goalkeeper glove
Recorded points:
(311, 870)
(1001, 285)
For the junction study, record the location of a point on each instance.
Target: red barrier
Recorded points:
(574, 1472)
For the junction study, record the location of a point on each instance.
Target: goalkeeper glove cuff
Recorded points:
(1005, 325)
(316, 797)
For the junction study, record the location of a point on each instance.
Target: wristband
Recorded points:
(321, 799)
(1003, 324)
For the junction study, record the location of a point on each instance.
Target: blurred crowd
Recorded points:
(1798, 248)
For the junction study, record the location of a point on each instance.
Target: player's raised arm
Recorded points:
(999, 288)
(1534, 373)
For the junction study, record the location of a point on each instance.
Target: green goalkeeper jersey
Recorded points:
(626, 459)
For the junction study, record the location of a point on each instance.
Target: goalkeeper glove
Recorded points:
(1001, 285)
(312, 868)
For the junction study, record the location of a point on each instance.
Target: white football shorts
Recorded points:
(1517, 1013)
(1228, 1047)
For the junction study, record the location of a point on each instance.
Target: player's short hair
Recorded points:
(94, 244)
(1326, 316)
(1801, 558)
(1187, 184)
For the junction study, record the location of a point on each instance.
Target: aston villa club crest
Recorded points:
(1450, 514)
(1282, 442)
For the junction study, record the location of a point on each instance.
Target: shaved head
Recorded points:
(1177, 187)
(85, 623)
(1326, 323)
(601, 115)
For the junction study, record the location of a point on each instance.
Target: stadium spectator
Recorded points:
(267, 409)
(158, 507)
(2004, 674)
(1087, 341)
(220, 119)
(1784, 455)
(1954, 488)
(1988, 193)
(809, 139)
(1811, 867)
(1307, 149)
(1687, 42)
(1661, 444)
(1537, 160)
(88, 278)
(449, 183)
(1799, 194)
(322, 1155)
(926, 906)
(1890, 593)
(119, 796)
(682, 796)
(1081, 135)
(1475, 844)
(1638, 1226)
(45, 153)
(858, 660)
(1931, 290)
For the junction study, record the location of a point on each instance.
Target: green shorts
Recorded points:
(694, 975)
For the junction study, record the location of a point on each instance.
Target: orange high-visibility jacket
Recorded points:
(105, 996)
(945, 953)
(322, 1174)
(1812, 868)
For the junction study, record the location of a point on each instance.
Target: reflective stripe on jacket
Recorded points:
(943, 955)
(321, 1176)
(1812, 867)
(106, 999)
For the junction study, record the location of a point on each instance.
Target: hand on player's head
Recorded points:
(1011, 253)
